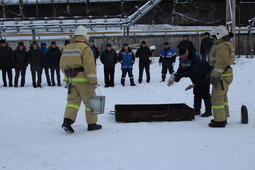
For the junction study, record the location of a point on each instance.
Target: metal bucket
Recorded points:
(97, 104)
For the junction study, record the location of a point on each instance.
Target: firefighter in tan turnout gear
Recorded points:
(78, 65)
(222, 75)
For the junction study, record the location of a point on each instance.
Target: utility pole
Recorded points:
(231, 17)
(3, 8)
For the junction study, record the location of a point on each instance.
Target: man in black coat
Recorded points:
(20, 62)
(35, 56)
(109, 58)
(186, 43)
(6, 55)
(206, 45)
(54, 54)
(144, 54)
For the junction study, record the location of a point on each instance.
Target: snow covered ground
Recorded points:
(31, 137)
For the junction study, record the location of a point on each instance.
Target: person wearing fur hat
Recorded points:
(20, 62)
(78, 65)
(35, 56)
(192, 66)
(206, 45)
(6, 55)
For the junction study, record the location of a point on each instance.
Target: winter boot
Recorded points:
(67, 125)
(197, 105)
(94, 127)
(34, 85)
(215, 124)
(132, 82)
(226, 122)
(122, 81)
(208, 110)
(163, 78)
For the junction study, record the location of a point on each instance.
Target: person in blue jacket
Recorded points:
(127, 60)
(193, 66)
(45, 61)
(167, 58)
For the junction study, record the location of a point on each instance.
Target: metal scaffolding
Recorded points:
(64, 24)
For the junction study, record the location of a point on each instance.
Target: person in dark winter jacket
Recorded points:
(127, 60)
(94, 49)
(45, 61)
(6, 55)
(198, 70)
(144, 54)
(206, 45)
(167, 59)
(185, 43)
(109, 58)
(35, 56)
(54, 54)
(20, 62)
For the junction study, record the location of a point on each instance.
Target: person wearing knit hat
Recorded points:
(45, 62)
(20, 62)
(109, 58)
(127, 60)
(144, 53)
(192, 66)
(53, 55)
(167, 59)
(186, 43)
(6, 63)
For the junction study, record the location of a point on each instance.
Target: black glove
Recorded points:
(177, 77)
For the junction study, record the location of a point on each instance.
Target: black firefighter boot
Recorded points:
(197, 105)
(163, 78)
(94, 127)
(67, 125)
(122, 81)
(215, 124)
(208, 109)
(132, 83)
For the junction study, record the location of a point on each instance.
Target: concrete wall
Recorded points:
(117, 42)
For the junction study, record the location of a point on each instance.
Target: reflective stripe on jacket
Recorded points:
(78, 54)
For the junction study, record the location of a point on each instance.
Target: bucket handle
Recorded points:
(99, 91)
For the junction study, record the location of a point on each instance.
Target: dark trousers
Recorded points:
(202, 92)
(23, 74)
(125, 71)
(147, 70)
(9, 73)
(166, 67)
(46, 70)
(39, 77)
(52, 70)
(109, 76)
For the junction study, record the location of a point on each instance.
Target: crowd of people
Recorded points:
(210, 66)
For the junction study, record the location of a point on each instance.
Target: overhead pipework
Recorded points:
(64, 24)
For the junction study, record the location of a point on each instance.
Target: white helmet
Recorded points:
(81, 30)
(219, 31)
